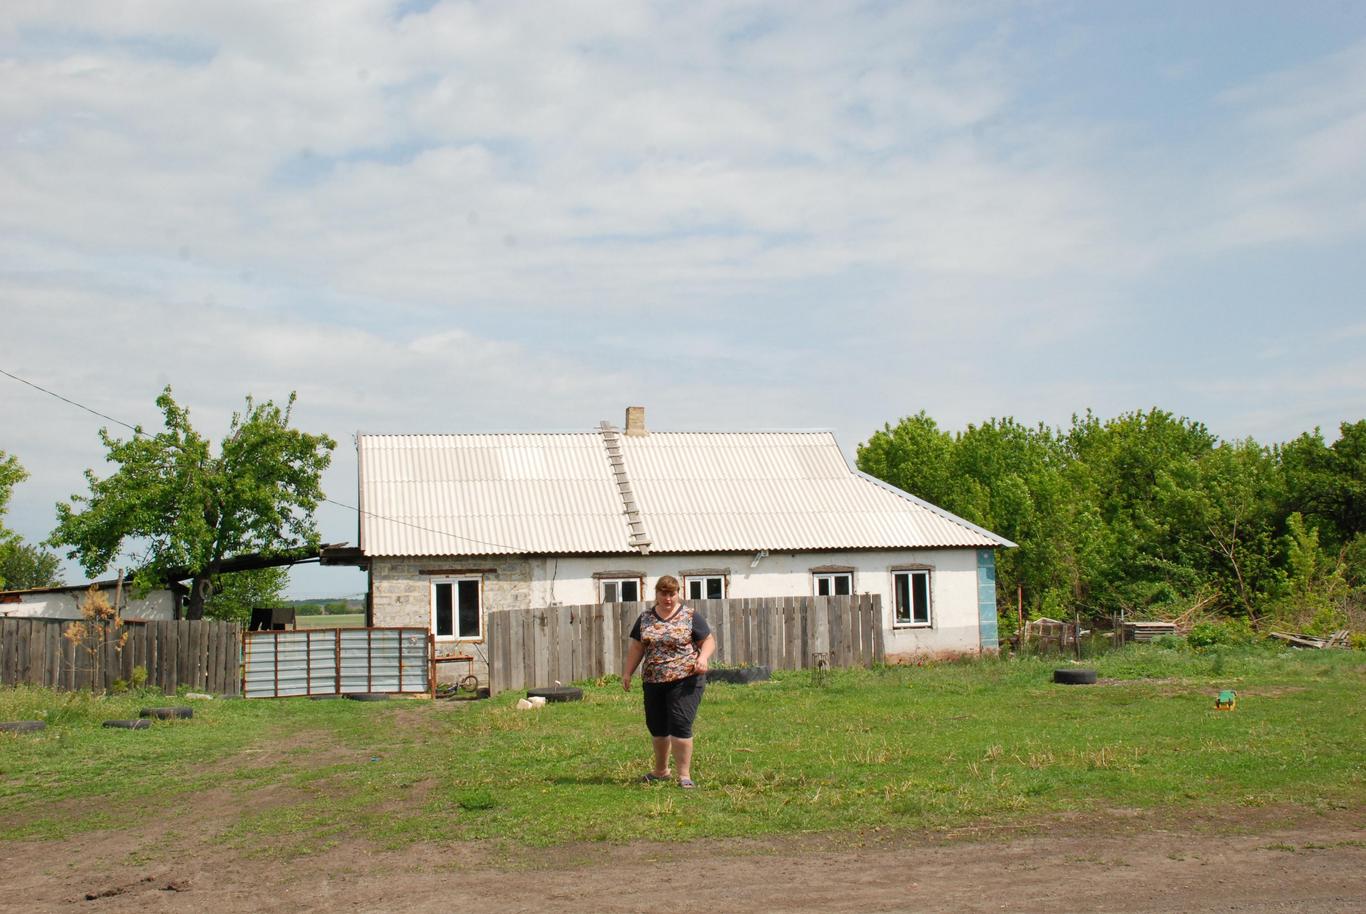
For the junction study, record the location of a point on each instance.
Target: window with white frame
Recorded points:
(457, 609)
(832, 583)
(911, 590)
(619, 590)
(704, 586)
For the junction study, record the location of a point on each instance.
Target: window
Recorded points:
(457, 609)
(833, 584)
(620, 590)
(705, 586)
(912, 591)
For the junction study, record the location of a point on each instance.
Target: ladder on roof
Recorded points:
(611, 439)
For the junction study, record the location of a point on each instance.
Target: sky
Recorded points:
(519, 216)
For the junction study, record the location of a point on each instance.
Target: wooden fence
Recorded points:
(204, 655)
(528, 648)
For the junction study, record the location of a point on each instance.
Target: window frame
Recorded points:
(702, 579)
(604, 580)
(831, 575)
(910, 573)
(454, 582)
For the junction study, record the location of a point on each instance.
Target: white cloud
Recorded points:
(523, 215)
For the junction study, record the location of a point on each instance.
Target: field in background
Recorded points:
(907, 747)
(342, 620)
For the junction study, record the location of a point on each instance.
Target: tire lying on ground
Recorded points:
(139, 724)
(368, 696)
(1075, 677)
(556, 693)
(177, 713)
(22, 726)
(740, 675)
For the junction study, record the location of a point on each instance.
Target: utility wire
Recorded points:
(136, 430)
(392, 520)
(404, 523)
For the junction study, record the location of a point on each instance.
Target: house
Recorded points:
(64, 602)
(453, 526)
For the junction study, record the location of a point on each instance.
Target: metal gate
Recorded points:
(336, 661)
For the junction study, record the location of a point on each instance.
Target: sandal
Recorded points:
(651, 778)
(686, 783)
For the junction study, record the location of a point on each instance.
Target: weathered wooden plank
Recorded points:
(770, 612)
(820, 621)
(213, 679)
(6, 673)
(625, 621)
(521, 649)
(494, 638)
(33, 663)
(14, 659)
(32, 651)
(564, 646)
(61, 668)
(834, 630)
(511, 650)
(879, 636)
(171, 676)
(500, 654)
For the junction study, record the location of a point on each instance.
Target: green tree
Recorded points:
(1218, 511)
(237, 593)
(1327, 483)
(21, 565)
(188, 508)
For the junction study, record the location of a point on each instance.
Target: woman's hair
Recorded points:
(666, 584)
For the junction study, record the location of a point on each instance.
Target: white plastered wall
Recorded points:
(156, 605)
(953, 586)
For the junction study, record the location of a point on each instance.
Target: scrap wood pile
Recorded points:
(1339, 638)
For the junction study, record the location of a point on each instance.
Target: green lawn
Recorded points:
(934, 746)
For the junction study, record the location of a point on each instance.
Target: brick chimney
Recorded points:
(635, 422)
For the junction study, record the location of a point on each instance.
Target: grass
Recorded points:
(338, 620)
(937, 746)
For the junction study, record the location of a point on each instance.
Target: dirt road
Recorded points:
(1282, 861)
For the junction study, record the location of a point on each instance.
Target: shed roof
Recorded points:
(557, 494)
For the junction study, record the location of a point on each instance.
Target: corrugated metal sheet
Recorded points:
(697, 492)
(488, 495)
(775, 490)
(335, 661)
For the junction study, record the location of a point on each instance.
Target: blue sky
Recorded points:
(506, 216)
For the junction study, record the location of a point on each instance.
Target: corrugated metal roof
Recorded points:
(697, 492)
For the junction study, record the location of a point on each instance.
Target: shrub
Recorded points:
(1204, 635)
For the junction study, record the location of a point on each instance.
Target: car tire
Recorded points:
(141, 723)
(22, 726)
(1074, 677)
(173, 713)
(556, 693)
(368, 696)
(740, 675)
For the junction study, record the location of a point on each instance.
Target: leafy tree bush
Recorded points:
(236, 594)
(1150, 514)
(191, 508)
(22, 566)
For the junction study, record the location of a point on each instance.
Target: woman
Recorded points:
(675, 642)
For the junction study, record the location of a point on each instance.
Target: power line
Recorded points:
(404, 523)
(136, 429)
(393, 520)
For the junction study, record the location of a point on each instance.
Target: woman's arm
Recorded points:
(704, 652)
(633, 658)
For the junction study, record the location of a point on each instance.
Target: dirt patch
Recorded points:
(1234, 860)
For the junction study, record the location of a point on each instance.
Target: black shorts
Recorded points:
(671, 706)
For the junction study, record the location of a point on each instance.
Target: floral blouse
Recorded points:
(670, 645)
